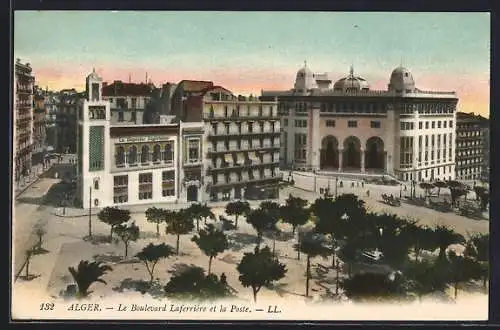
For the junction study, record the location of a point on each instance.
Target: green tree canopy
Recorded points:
(87, 273)
(127, 234)
(151, 254)
(237, 209)
(179, 223)
(113, 217)
(259, 269)
(212, 242)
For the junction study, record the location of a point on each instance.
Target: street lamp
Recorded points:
(336, 185)
(400, 190)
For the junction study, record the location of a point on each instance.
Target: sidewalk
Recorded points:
(72, 212)
(35, 173)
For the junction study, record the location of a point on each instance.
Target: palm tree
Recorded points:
(477, 248)
(445, 237)
(88, 273)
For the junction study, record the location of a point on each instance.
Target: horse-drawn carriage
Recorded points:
(391, 200)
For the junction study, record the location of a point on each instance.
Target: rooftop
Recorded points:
(119, 88)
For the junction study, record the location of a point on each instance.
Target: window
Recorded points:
(168, 183)
(374, 124)
(451, 123)
(439, 125)
(156, 153)
(120, 115)
(444, 123)
(285, 122)
(96, 184)
(426, 125)
(132, 156)
(193, 151)
(433, 124)
(419, 125)
(133, 116)
(120, 189)
(168, 153)
(134, 102)
(352, 123)
(145, 186)
(145, 154)
(96, 202)
(120, 157)
(330, 123)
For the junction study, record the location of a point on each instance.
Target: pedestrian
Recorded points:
(352, 184)
(223, 279)
(368, 193)
(362, 184)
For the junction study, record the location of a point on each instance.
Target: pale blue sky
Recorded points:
(450, 45)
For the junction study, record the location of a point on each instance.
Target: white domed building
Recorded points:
(352, 130)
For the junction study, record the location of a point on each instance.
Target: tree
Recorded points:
(419, 237)
(179, 223)
(477, 248)
(157, 216)
(196, 212)
(259, 269)
(457, 189)
(373, 286)
(206, 212)
(312, 244)
(113, 216)
(439, 185)
(260, 220)
(152, 254)
(192, 284)
(427, 187)
(127, 234)
(329, 215)
(462, 269)
(40, 230)
(87, 273)
(445, 237)
(294, 212)
(212, 242)
(428, 276)
(483, 195)
(237, 208)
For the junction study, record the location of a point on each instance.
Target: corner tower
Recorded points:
(93, 145)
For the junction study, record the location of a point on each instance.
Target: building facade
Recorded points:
(123, 164)
(472, 137)
(69, 101)
(39, 128)
(24, 83)
(402, 132)
(230, 144)
(128, 101)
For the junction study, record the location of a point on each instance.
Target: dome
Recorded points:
(401, 81)
(351, 83)
(305, 80)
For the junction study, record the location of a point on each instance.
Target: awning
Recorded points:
(253, 157)
(228, 158)
(241, 158)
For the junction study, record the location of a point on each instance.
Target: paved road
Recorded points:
(28, 209)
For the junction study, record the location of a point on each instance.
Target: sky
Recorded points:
(249, 51)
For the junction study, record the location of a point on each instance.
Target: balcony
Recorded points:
(266, 146)
(246, 165)
(268, 179)
(240, 117)
(224, 135)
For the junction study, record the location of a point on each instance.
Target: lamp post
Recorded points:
(400, 190)
(336, 185)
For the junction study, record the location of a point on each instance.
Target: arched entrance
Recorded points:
(374, 154)
(351, 157)
(192, 193)
(329, 152)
